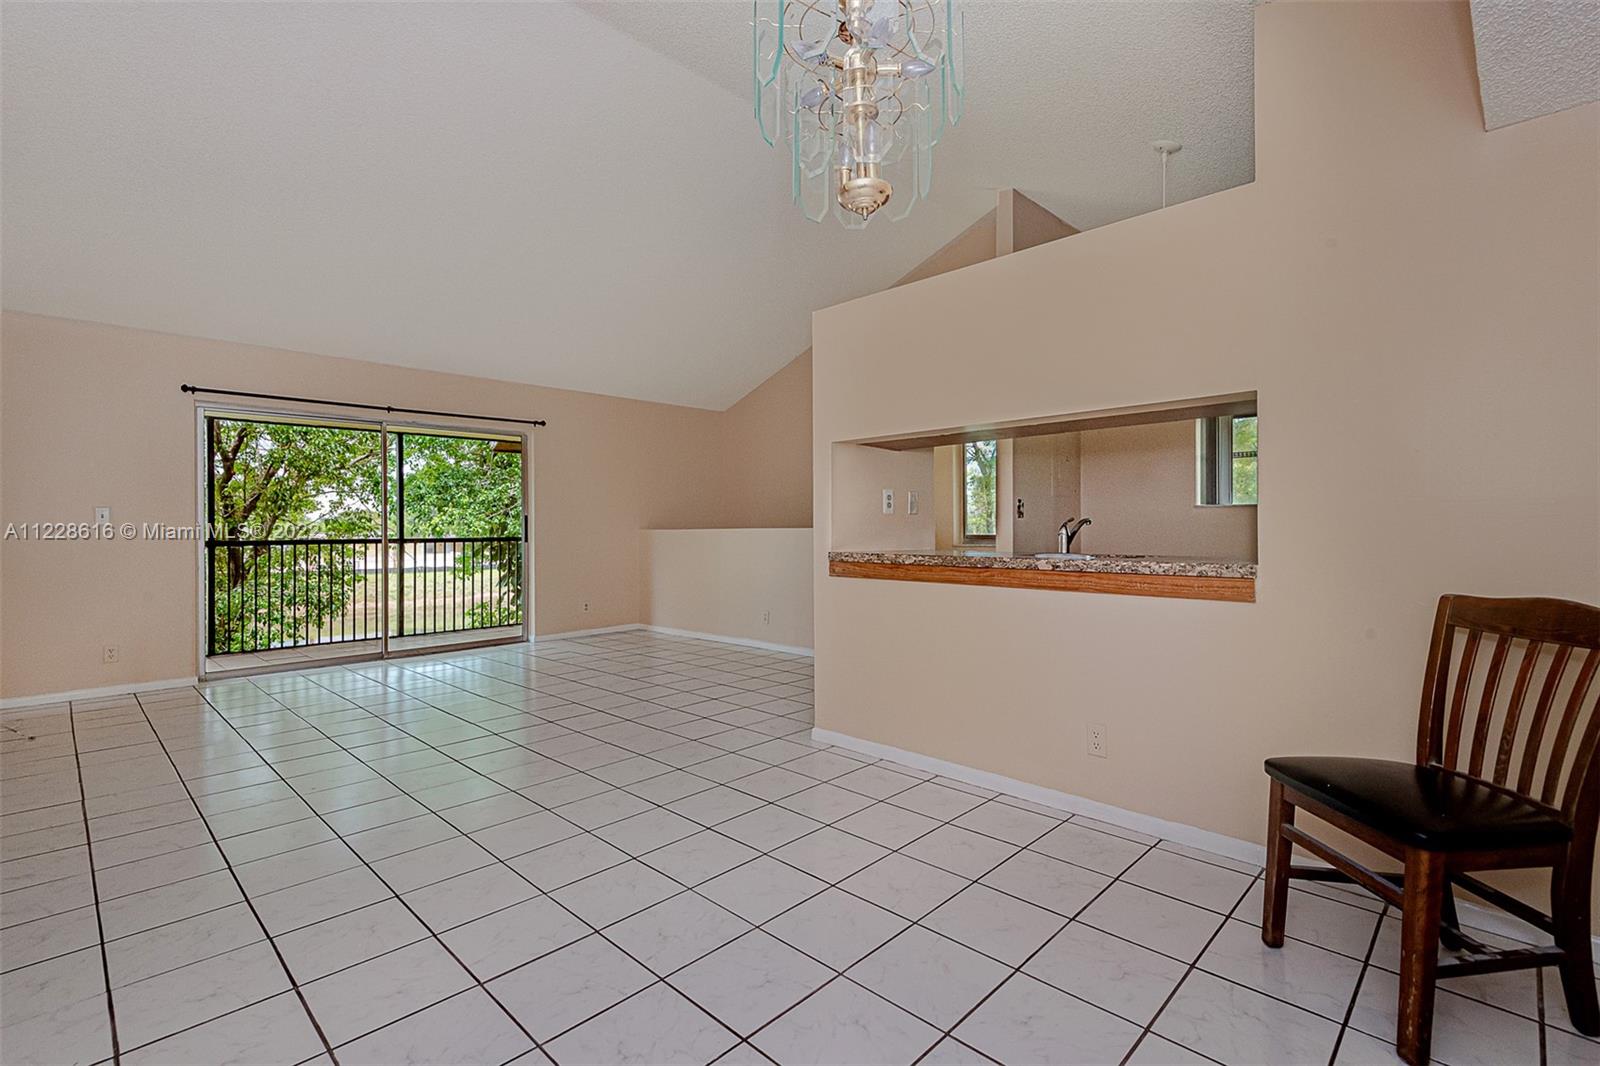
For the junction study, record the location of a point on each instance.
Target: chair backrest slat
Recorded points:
(1569, 722)
(1458, 702)
(1553, 750)
(1491, 685)
(1583, 787)
(1519, 694)
(1541, 715)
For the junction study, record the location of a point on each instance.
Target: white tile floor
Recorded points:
(626, 849)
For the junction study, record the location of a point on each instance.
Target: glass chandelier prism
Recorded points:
(861, 90)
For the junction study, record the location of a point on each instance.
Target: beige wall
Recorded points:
(1400, 288)
(859, 476)
(103, 424)
(767, 434)
(753, 584)
(93, 417)
(1047, 479)
(766, 443)
(946, 510)
(1139, 487)
(1005, 494)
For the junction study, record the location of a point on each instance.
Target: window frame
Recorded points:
(1214, 459)
(967, 537)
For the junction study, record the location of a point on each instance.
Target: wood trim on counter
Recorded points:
(1176, 586)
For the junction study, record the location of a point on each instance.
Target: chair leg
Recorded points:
(1419, 953)
(1275, 900)
(1449, 921)
(1569, 910)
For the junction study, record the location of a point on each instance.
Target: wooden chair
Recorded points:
(1531, 799)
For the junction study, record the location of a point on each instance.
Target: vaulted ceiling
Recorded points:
(1535, 59)
(566, 194)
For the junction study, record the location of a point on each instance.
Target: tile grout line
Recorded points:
(1361, 975)
(94, 885)
(981, 800)
(228, 863)
(1149, 1026)
(576, 666)
(579, 703)
(397, 896)
(504, 862)
(1153, 845)
(1077, 917)
(917, 922)
(732, 783)
(1538, 987)
(596, 931)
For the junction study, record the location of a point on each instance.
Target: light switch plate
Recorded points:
(102, 516)
(911, 501)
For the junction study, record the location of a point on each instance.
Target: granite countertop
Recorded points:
(1167, 565)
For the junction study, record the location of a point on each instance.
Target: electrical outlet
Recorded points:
(585, 608)
(766, 618)
(911, 501)
(888, 501)
(110, 654)
(1097, 740)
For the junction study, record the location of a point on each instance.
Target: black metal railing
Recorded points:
(455, 584)
(268, 594)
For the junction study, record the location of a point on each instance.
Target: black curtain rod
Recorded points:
(362, 406)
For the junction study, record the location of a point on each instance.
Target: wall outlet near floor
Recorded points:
(585, 608)
(911, 501)
(888, 501)
(766, 618)
(110, 654)
(1097, 740)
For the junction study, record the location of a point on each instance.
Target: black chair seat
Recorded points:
(1422, 806)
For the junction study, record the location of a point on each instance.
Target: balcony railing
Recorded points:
(267, 594)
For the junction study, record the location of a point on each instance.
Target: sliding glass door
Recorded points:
(457, 529)
(343, 538)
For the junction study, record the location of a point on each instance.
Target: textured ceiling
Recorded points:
(1535, 58)
(570, 195)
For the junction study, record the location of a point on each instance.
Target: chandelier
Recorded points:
(861, 90)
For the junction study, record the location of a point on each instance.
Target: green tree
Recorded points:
(466, 487)
(980, 459)
(272, 482)
(1244, 459)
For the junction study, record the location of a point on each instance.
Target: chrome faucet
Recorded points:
(1069, 530)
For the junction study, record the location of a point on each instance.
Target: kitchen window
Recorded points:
(978, 470)
(1226, 449)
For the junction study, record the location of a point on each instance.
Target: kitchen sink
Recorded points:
(1081, 555)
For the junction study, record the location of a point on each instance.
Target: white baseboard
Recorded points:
(1177, 832)
(687, 634)
(788, 649)
(596, 632)
(1478, 917)
(94, 693)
